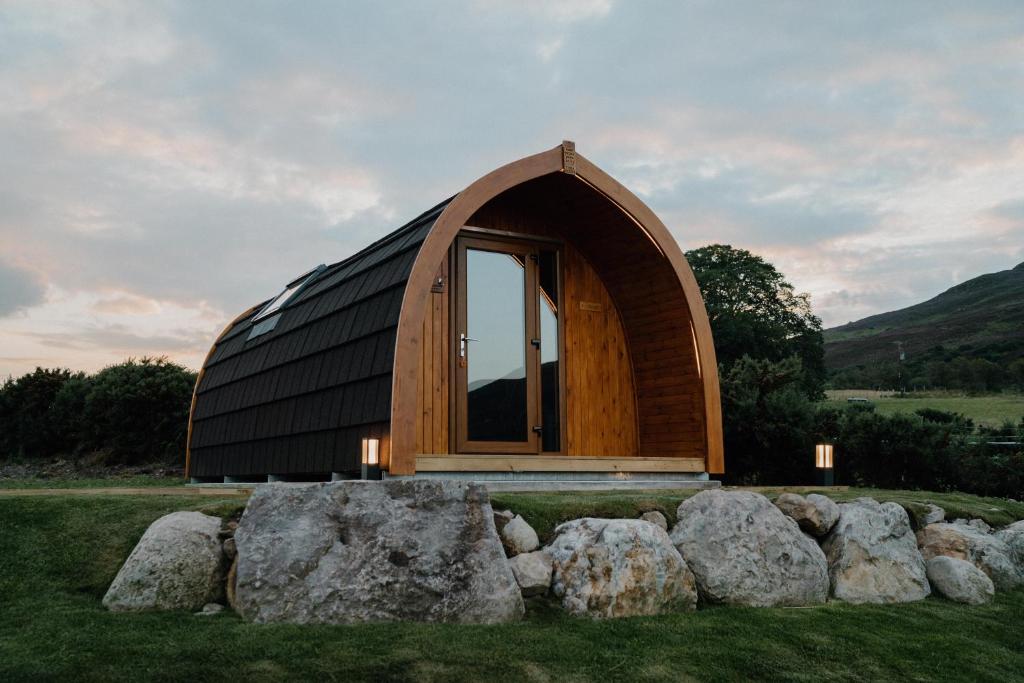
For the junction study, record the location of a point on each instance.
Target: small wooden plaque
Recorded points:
(590, 306)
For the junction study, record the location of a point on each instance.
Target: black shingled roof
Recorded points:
(299, 398)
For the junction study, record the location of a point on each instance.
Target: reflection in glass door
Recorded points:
(496, 405)
(506, 348)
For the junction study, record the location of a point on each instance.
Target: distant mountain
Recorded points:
(981, 318)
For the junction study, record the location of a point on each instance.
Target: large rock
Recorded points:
(933, 515)
(1013, 536)
(966, 541)
(532, 572)
(744, 551)
(619, 568)
(872, 554)
(177, 564)
(959, 580)
(816, 514)
(655, 517)
(519, 537)
(349, 552)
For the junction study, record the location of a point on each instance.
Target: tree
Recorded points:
(25, 428)
(755, 312)
(769, 422)
(137, 411)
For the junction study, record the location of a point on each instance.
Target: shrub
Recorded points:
(26, 427)
(133, 412)
(137, 411)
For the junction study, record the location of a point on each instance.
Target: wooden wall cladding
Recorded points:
(432, 398)
(647, 295)
(600, 399)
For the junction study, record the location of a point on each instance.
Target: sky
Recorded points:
(166, 165)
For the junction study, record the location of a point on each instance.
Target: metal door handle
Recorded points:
(463, 339)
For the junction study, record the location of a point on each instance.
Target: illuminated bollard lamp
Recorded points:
(823, 464)
(371, 458)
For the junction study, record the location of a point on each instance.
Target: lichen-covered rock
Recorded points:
(872, 555)
(656, 518)
(1013, 536)
(965, 541)
(519, 537)
(744, 551)
(959, 580)
(501, 518)
(351, 551)
(177, 564)
(816, 514)
(976, 524)
(532, 572)
(619, 568)
(210, 609)
(933, 515)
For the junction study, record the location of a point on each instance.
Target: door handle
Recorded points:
(463, 341)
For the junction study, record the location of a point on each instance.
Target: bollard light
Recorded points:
(823, 464)
(371, 458)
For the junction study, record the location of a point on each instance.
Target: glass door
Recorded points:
(496, 347)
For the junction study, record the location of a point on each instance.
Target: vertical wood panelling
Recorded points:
(601, 402)
(432, 382)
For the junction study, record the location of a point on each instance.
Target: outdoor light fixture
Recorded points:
(371, 458)
(823, 464)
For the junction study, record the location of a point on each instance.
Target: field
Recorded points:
(59, 553)
(991, 410)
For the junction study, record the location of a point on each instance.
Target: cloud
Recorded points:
(167, 165)
(20, 288)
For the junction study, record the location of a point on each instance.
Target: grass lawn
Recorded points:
(991, 410)
(58, 555)
(134, 481)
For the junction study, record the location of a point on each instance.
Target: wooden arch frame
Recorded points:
(561, 159)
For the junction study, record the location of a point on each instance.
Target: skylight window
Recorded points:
(290, 290)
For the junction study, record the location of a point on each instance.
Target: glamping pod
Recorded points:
(541, 323)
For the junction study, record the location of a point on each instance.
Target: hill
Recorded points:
(982, 318)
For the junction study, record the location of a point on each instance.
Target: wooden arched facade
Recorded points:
(372, 347)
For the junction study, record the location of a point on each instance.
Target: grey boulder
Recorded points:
(816, 514)
(606, 568)
(656, 518)
(933, 515)
(959, 580)
(966, 541)
(872, 555)
(519, 537)
(1013, 537)
(177, 564)
(352, 552)
(744, 551)
(532, 572)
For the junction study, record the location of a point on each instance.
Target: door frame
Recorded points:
(529, 246)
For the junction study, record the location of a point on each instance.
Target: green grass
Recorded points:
(991, 410)
(58, 555)
(134, 481)
(545, 511)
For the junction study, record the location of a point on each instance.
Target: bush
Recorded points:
(130, 413)
(26, 427)
(770, 429)
(768, 421)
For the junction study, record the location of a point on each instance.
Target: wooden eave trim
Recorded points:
(447, 227)
(648, 221)
(199, 379)
(417, 290)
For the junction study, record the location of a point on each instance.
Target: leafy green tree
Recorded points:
(755, 312)
(26, 430)
(137, 411)
(769, 422)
